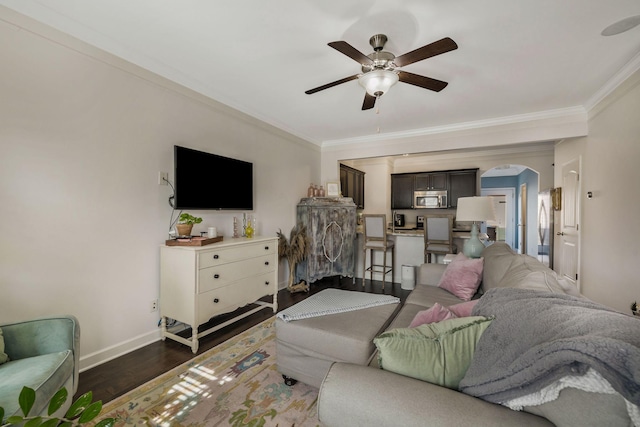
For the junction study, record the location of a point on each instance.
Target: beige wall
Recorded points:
(82, 138)
(609, 221)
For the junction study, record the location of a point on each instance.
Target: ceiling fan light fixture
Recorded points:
(378, 82)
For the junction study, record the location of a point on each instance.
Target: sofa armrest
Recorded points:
(354, 395)
(430, 274)
(31, 338)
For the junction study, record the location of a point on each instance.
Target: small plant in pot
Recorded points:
(185, 224)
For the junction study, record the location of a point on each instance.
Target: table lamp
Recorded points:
(474, 209)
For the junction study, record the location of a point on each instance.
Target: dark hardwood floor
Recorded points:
(119, 376)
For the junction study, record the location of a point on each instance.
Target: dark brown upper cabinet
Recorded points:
(352, 184)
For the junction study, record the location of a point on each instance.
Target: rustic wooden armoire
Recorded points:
(331, 227)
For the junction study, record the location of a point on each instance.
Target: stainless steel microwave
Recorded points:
(430, 199)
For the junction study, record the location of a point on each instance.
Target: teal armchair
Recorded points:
(43, 355)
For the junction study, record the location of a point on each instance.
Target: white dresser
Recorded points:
(200, 282)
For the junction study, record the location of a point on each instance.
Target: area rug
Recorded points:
(234, 384)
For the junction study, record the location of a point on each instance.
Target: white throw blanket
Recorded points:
(332, 301)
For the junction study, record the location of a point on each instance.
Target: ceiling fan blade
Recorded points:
(351, 52)
(369, 102)
(436, 48)
(422, 81)
(332, 84)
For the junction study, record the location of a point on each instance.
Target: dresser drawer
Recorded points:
(224, 274)
(228, 298)
(226, 255)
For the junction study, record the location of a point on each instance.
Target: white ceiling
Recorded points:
(514, 58)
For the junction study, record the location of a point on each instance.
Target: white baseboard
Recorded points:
(94, 359)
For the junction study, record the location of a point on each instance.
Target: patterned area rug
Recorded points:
(233, 384)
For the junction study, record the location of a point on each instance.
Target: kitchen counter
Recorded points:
(411, 232)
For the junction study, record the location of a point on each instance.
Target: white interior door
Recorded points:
(569, 234)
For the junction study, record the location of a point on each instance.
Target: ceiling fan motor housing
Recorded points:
(377, 42)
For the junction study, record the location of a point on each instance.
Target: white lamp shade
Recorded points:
(475, 209)
(378, 82)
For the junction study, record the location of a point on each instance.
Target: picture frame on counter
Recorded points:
(333, 189)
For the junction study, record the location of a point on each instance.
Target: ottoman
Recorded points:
(307, 348)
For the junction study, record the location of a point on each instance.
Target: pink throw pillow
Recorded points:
(434, 314)
(462, 276)
(464, 308)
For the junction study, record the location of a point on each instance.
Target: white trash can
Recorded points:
(408, 277)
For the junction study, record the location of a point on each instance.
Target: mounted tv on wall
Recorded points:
(208, 181)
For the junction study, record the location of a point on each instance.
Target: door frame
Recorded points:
(509, 194)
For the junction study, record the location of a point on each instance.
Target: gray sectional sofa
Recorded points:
(353, 394)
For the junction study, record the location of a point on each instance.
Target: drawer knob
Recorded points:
(266, 263)
(216, 256)
(266, 283)
(266, 248)
(216, 276)
(216, 300)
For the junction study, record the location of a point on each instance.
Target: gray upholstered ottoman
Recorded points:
(306, 348)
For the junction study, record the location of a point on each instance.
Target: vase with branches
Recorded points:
(295, 250)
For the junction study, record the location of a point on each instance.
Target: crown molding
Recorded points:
(506, 121)
(593, 104)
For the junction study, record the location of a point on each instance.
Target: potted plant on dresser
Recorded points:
(185, 224)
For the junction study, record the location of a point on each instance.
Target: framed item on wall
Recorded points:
(333, 189)
(556, 198)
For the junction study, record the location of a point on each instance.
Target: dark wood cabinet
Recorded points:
(352, 184)
(462, 184)
(458, 183)
(402, 191)
(431, 181)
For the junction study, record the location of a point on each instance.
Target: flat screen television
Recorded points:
(208, 181)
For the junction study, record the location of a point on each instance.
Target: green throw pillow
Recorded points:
(3, 355)
(439, 353)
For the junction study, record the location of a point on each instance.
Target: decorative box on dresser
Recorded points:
(201, 282)
(331, 227)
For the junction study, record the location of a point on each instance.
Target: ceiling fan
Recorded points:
(379, 68)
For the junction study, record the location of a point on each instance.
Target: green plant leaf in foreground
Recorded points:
(26, 399)
(57, 400)
(91, 412)
(33, 422)
(80, 412)
(79, 405)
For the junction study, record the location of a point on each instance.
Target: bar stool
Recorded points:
(375, 239)
(438, 236)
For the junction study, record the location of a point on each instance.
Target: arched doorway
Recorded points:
(515, 191)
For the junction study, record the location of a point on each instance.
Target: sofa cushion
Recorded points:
(439, 353)
(46, 374)
(582, 408)
(426, 296)
(497, 260)
(3, 356)
(437, 313)
(462, 276)
(464, 308)
(547, 281)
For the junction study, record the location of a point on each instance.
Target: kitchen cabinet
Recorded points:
(352, 184)
(402, 191)
(331, 229)
(462, 183)
(431, 181)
